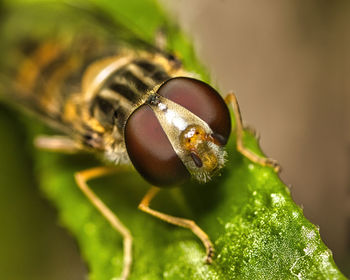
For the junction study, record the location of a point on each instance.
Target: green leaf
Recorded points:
(258, 231)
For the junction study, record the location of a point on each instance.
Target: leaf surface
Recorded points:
(257, 229)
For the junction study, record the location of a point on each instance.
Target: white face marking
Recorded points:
(173, 118)
(190, 133)
(162, 106)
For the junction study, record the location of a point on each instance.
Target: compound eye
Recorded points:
(203, 101)
(150, 150)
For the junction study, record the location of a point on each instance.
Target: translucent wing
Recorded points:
(46, 48)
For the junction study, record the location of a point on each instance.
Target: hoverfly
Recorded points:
(125, 100)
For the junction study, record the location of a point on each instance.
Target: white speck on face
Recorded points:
(250, 166)
(190, 133)
(175, 120)
(162, 106)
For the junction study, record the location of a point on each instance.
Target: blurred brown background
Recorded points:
(289, 64)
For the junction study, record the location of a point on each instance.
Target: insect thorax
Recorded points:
(112, 88)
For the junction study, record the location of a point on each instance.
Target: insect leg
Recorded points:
(232, 100)
(144, 206)
(57, 143)
(81, 178)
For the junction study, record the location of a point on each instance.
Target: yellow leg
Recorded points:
(81, 178)
(232, 100)
(144, 206)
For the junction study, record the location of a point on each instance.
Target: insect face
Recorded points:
(180, 131)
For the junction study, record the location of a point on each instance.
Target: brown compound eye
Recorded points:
(203, 101)
(150, 150)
